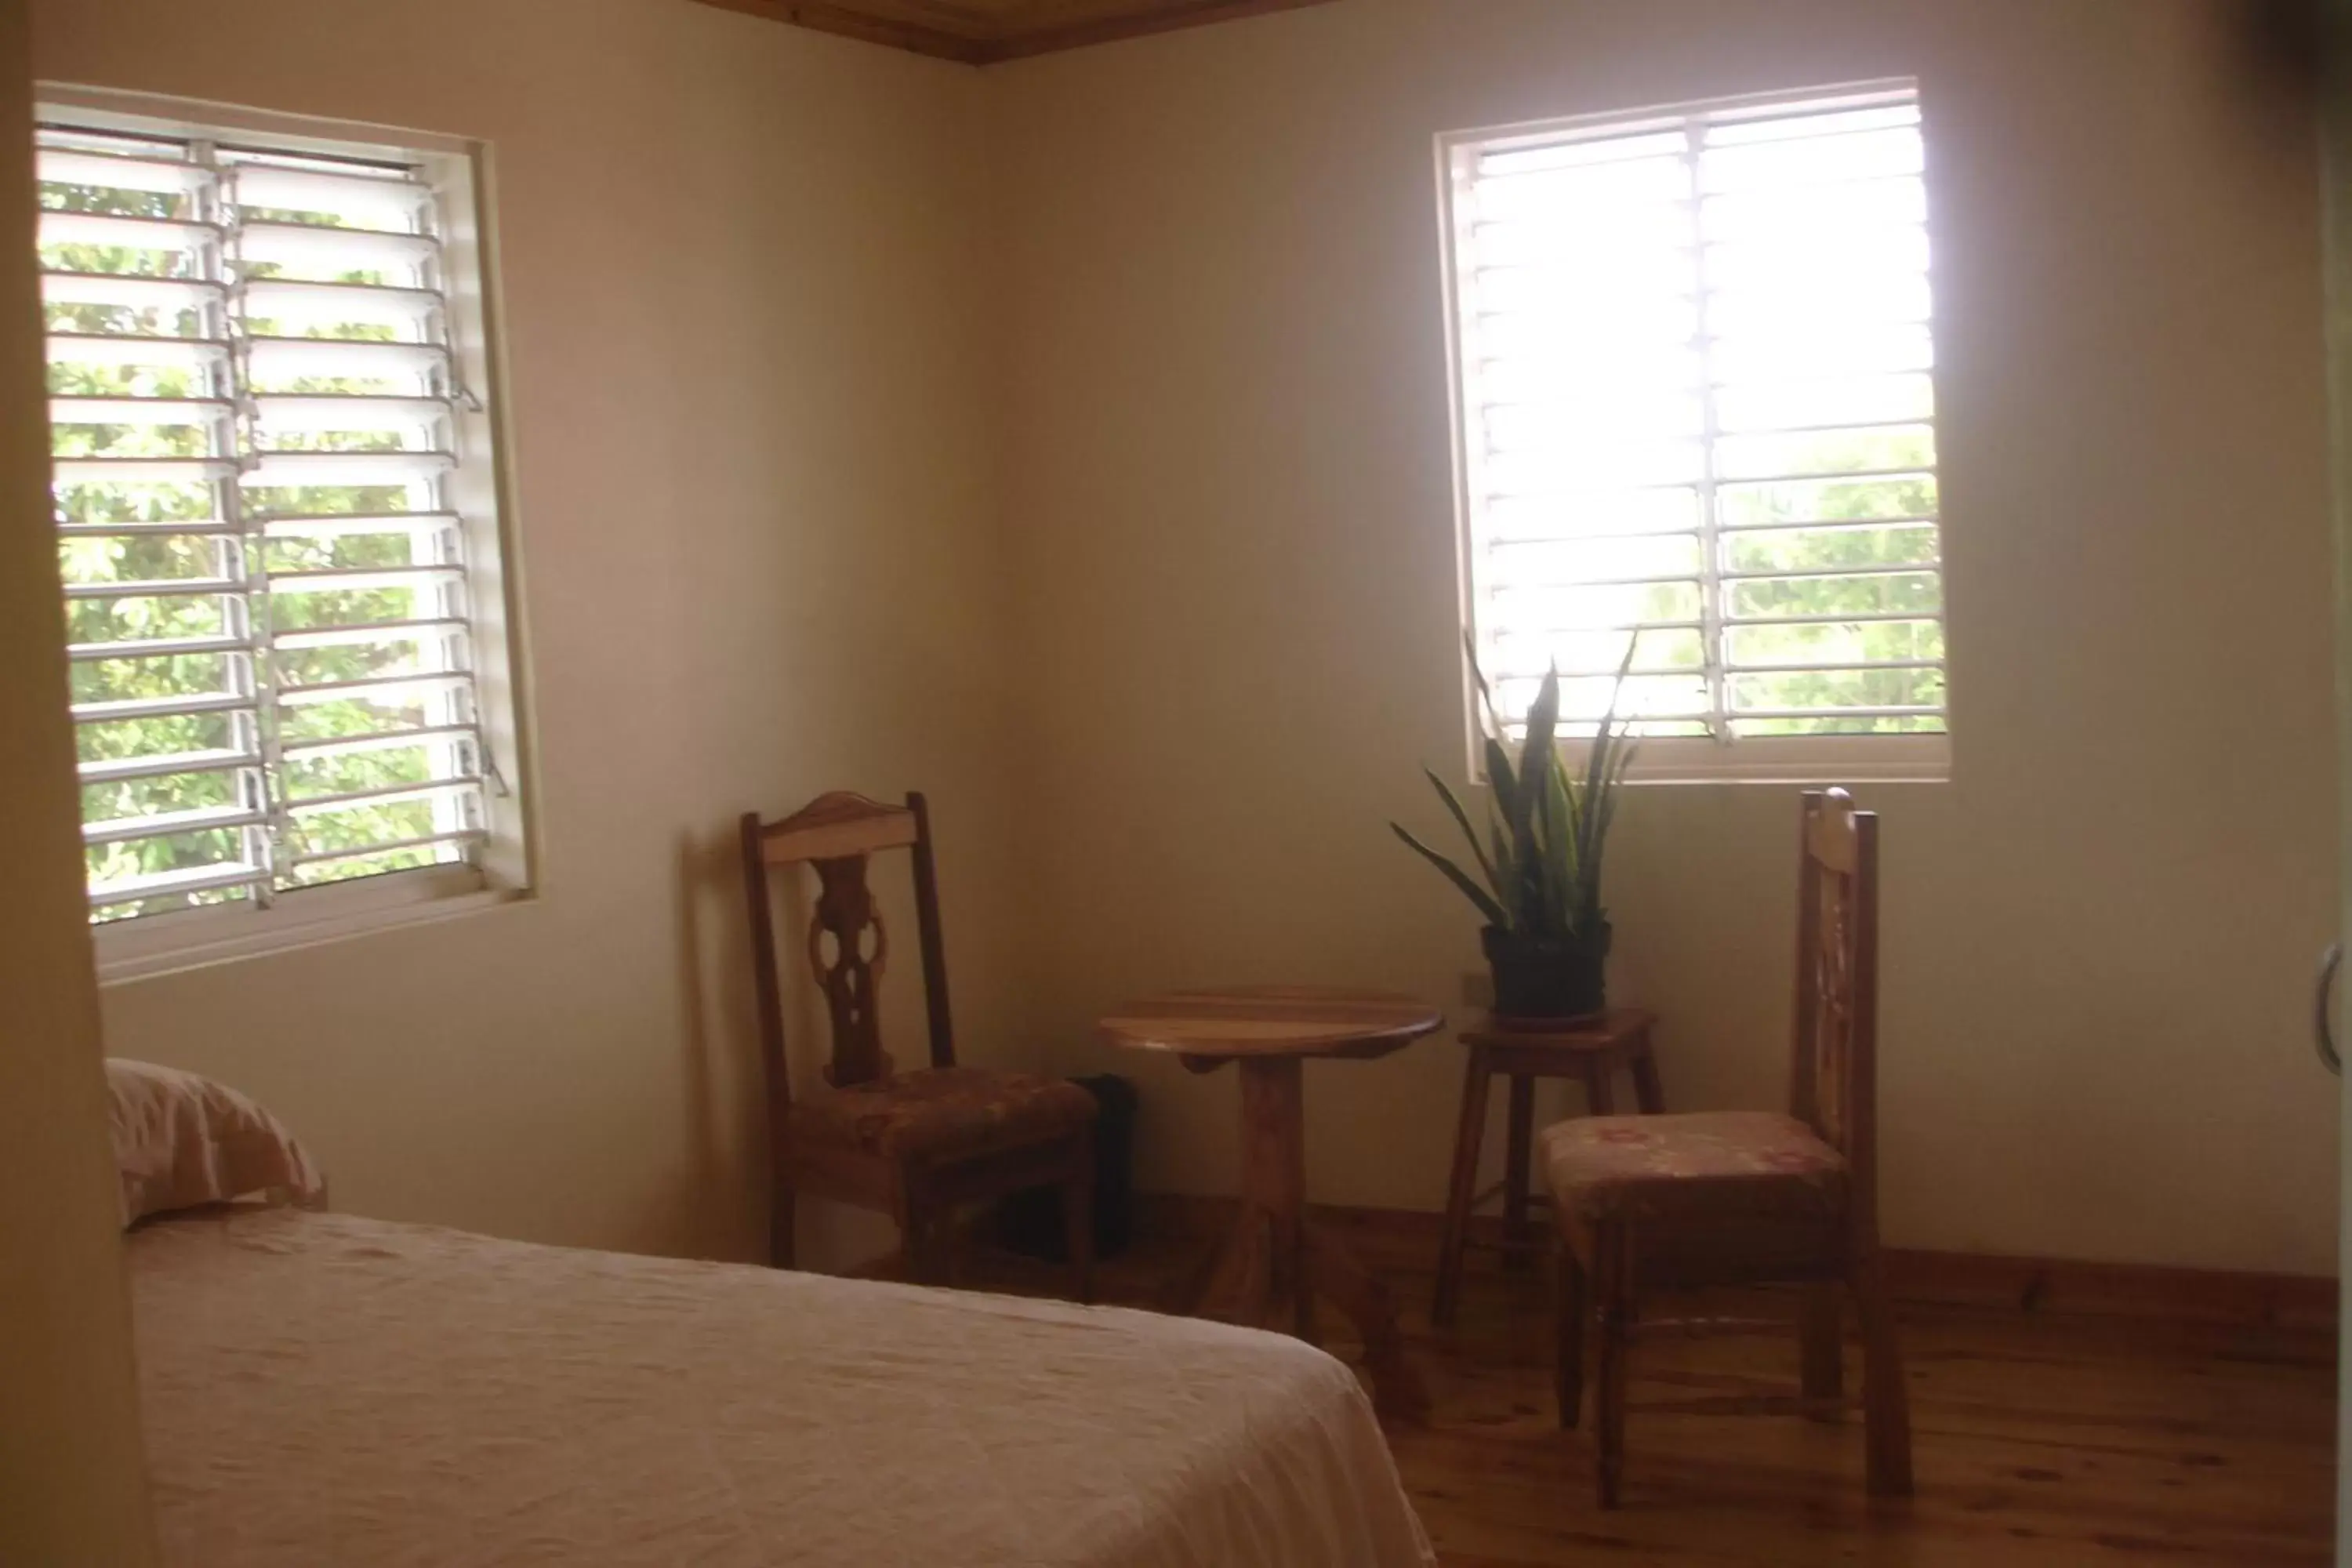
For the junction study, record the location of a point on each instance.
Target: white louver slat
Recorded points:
(127, 350)
(114, 231)
(271, 362)
(173, 294)
(1695, 363)
(117, 171)
(255, 408)
(311, 245)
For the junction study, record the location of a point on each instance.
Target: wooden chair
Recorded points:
(1591, 1051)
(1740, 1197)
(914, 1145)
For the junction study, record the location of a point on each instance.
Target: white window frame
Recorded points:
(1661, 760)
(480, 490)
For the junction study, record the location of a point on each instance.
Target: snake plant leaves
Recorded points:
(1503, 780)
(1619, 761)
(1545, 827)
(1536, 754)
(1496, 914)
(1563, 834)
(1601, 778)
(1462, 820)
(1531, 839)
(1486, 714)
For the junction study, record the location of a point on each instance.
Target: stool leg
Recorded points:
(1462, 1189)
(1519, 1152)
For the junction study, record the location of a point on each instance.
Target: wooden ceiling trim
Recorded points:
(1167, 16)
(891, 32)
(986, 42)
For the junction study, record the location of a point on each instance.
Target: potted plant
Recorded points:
(1537, 881)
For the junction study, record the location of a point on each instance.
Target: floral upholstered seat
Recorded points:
(942, 1112)
(1648, 1167)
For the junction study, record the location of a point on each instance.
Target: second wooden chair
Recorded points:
(915, 1145)
(1748, 1197)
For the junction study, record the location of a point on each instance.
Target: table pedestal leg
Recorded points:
(1259, 1270)
(1276, 1260)
(1234, 1290)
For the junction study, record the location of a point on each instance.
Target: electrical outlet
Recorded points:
(1478, 987)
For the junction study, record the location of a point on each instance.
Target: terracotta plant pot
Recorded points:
(1544, 980)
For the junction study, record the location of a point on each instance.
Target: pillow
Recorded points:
(182, 1141)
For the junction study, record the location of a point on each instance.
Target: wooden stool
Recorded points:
(1588, 1049)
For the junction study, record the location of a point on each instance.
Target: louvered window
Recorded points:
(275, 500)
(1695, 365)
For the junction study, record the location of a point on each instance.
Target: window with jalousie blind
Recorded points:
(272, 468)
(1696, 367)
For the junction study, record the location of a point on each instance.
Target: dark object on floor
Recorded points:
(1030, 1223)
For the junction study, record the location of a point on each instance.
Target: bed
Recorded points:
(321, 1389)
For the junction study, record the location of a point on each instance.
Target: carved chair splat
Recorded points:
(915, 1145)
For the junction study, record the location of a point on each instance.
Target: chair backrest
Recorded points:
(848, 944)
(1835, 1079)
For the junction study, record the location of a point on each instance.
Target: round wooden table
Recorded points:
(1277, 1259)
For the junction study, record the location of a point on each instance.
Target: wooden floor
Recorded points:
(2041, 1439)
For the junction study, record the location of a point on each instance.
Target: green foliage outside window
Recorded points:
(206, 552)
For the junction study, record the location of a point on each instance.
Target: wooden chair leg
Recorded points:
(1648, 1092)
(783, 1238)
(1078, 1227)
(1575, 1310)
(1462, 1189)
(1613, 1285)
(919, 1236)
(1885, 1400)
(1518, 1154)
(916, 1247)
(1821, 1338)
(1600, 1094)
(947, 1236)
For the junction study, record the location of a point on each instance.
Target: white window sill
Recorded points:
(1790, 760)
(170, 944)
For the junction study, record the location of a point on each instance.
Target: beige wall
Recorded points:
(738, 268)
(1078, 429)
(1228, 486)
(71, 1487)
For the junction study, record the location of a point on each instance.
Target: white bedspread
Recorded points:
(326, 1392)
